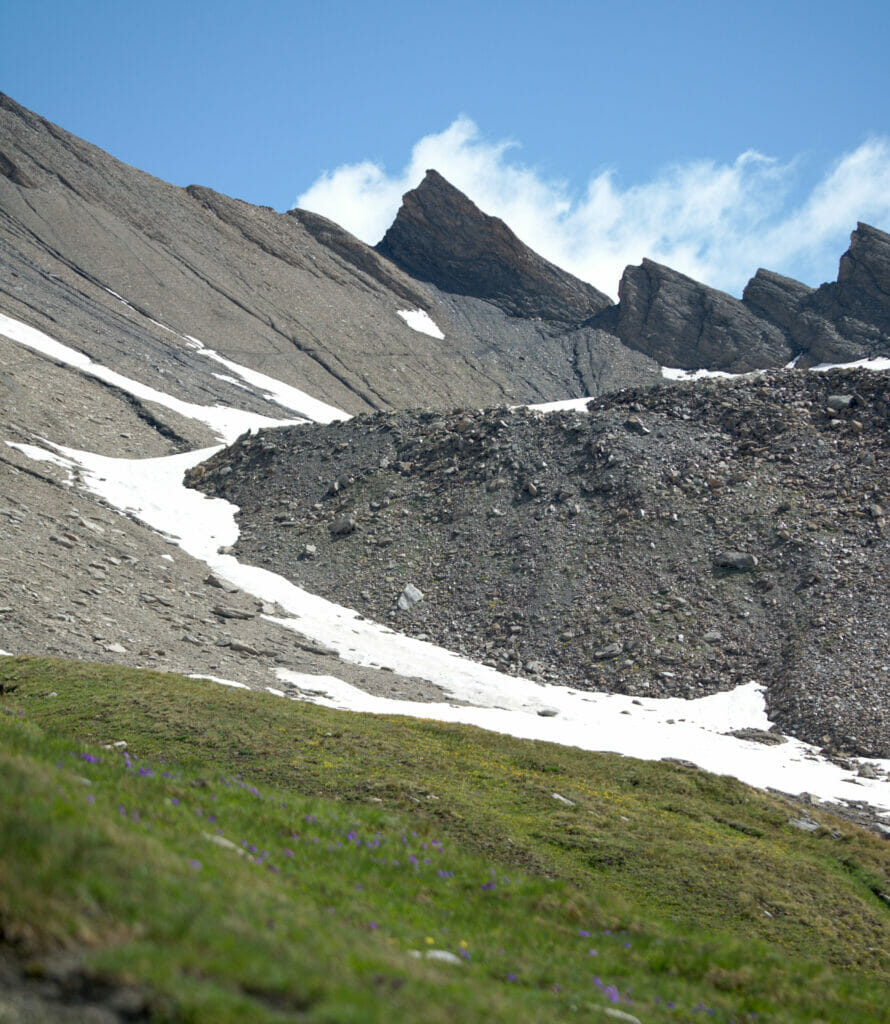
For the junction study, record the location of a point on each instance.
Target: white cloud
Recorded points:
(717, 222)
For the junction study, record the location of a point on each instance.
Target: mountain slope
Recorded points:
(271, 291)
(125, 269)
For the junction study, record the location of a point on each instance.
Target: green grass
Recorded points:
(361, 839)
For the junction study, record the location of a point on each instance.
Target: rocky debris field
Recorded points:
(673, 541)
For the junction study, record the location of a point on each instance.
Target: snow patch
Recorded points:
(222, 682)
(419, 320)
(566, 404)
(878, 363)
(279, 392)
(674, 373)
(231, 380)
(226, 422)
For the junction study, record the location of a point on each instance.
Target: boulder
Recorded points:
(409, 597)
(742, 561)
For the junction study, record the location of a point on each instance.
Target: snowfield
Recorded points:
(693, 730)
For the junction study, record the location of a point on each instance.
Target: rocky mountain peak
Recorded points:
(441, 236)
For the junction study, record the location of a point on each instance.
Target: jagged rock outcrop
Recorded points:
(849, 319)
(685, 324)
(440, 236)
(682, 323)
(774, 297)
(865, 270)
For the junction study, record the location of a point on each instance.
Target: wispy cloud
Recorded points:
(717, 222)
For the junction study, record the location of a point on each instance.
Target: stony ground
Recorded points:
(678, 540)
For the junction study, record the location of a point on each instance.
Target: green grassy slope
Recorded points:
(251, 858)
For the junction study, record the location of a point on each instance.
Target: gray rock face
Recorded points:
(850, 319)
(440, 236)
(685, 324)
(865, 266)
(775, 298)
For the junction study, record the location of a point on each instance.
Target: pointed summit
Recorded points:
(440, 236)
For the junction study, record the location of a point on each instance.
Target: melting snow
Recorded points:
(878, 363)
(578, 404)
(275, 390)
(419, 320)
(674, 373)
(228, 423)
(222, 682)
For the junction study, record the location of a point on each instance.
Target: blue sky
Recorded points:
(715, 137)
